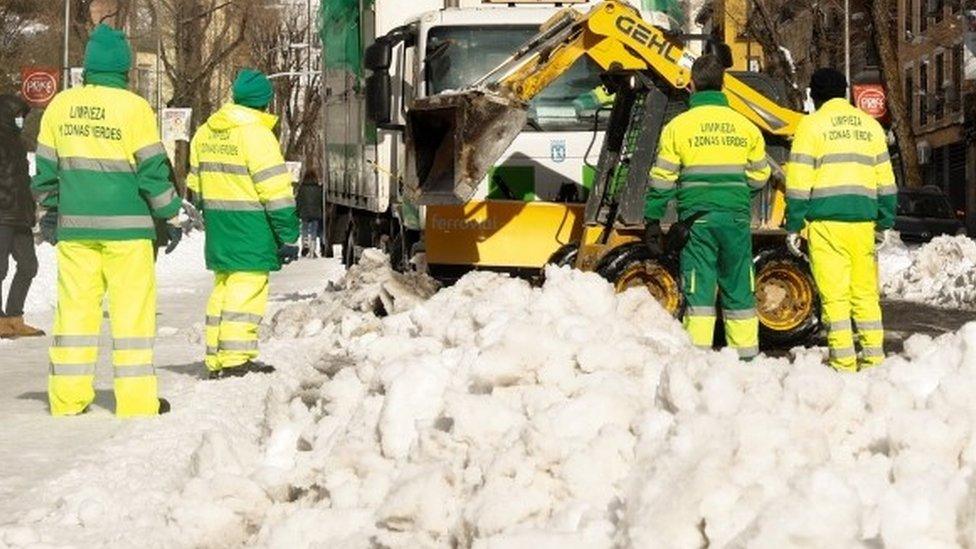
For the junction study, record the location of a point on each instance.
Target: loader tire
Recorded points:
(565, 255)
(632, 265)
(787, 301)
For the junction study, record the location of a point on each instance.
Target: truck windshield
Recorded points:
(458, 56)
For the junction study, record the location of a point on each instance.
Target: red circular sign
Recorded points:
(39, 87)
(872, 101)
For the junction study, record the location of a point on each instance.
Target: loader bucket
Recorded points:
(453, 140)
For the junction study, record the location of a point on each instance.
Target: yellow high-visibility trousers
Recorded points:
(842, 257)
(86, 269)
(234, 313)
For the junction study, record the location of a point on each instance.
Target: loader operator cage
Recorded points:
(459, 55)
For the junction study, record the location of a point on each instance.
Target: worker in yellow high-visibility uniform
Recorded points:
(711, 159)
(102, 174)
(244, 188)
(840, 183)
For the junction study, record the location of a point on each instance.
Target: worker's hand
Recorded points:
(794, 243)
(652, 237)
(288, 253)
(175, 233)
(49, 226)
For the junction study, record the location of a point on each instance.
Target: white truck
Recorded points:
(415, 48)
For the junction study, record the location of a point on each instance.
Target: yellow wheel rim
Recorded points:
(658, 281)
(784, 296)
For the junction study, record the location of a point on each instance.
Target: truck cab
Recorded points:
(412, 50)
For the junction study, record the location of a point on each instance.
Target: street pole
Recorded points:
(67, 29)
(847, 45)
(159, 80)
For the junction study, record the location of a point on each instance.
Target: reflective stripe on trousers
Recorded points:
(234, 313)
(86, 272)
(842, 258)
(718, 259)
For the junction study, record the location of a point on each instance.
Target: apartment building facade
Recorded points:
(941, 106)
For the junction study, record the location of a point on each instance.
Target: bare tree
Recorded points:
(199, 37)
(885, 21)
(764, 28)
(279, 45)
(16, 17)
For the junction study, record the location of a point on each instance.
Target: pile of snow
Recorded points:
(371, 285)
(500, 415)
(940, 273)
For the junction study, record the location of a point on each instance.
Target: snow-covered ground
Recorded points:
(497, 415)
(940, 273)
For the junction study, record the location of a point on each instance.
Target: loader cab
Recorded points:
(546, 161)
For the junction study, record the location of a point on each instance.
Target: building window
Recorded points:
(910, 95)
(955, 74)
(937, 6)
(923, 94)
(907, 12)
(923, 16)
(939, 87)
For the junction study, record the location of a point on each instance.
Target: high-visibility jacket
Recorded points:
(839, 169)
(710, 157)
(101, 164)
(244, 188)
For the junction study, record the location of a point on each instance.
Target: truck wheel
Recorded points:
(786, 299)
(401, 247)
(350, 255)
(632, 265)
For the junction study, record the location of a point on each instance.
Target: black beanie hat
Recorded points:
(827, 84)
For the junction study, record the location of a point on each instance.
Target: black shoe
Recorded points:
(244, 369)
(259, 367)
(214, 374)
(164, 406)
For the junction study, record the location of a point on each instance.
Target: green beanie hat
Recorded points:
(107, 51)
(253, 89)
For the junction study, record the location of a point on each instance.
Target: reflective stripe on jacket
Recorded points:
(839, 169)
(710, 157)
(101, 163)
(238, 173)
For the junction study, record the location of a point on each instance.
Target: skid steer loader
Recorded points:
(454, 138)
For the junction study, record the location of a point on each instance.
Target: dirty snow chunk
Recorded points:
(941, 273)
(369, 287)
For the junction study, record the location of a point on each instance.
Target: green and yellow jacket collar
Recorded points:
(118, 80)
(703, 98)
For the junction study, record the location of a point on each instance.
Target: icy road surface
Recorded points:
(495, 415)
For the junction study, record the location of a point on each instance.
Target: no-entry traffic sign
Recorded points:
(38, 85)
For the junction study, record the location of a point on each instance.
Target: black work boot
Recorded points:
(248, 367)
(164, 406)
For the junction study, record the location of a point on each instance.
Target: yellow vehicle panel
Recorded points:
(500, 233)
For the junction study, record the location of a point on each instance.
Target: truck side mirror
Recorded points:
(379, 98)
(378, 56)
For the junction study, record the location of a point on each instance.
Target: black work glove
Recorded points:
(652, 237)
(175, 234)
(49, 226)
(287, 253)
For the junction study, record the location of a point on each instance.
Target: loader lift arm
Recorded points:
(453, 139)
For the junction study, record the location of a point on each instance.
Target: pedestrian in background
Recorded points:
(102, 176)
(245, 190)
(841, 185)
(17, 218)
(309, 199)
